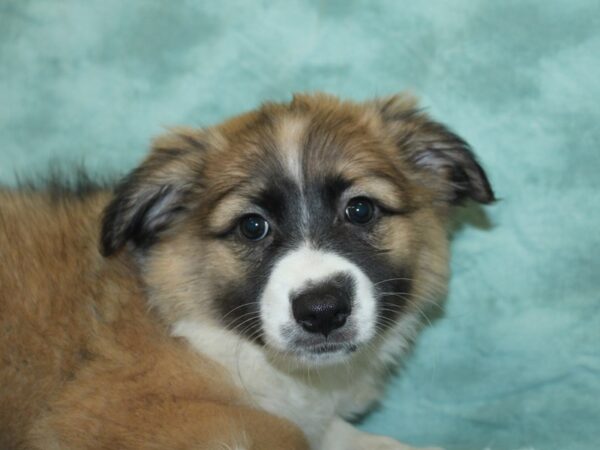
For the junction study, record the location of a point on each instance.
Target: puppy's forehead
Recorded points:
(300, 163)
(304, 145)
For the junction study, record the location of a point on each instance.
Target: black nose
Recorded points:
(323, 308)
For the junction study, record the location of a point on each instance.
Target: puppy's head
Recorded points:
(309, 227)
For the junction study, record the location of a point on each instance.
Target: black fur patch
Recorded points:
(66, 184)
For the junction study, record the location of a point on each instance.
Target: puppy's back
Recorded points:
(47, 258)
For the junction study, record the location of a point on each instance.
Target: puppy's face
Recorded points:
(309, 227)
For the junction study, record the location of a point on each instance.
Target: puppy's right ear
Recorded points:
(153, 197)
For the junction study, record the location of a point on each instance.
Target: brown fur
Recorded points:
(87, 365)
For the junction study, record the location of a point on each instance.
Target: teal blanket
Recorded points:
(514, 363)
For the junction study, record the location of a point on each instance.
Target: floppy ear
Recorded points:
(435, 150)
(155, 195)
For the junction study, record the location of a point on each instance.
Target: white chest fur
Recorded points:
(310, 397)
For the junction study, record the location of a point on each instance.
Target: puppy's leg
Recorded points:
(164, 401)
(343, 436)
(195, 426)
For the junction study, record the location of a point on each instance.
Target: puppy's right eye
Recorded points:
(254, 227)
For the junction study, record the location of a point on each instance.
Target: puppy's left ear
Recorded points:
(156, 195)
(444, 159)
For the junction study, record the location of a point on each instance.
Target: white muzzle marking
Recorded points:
(300, 268)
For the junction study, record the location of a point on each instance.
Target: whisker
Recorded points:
(401, 308)
(430, 301)
(243, 315)
(393, 279)
(238, 307)
(239, 325)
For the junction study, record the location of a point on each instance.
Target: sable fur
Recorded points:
(94, 288)
(85, 365)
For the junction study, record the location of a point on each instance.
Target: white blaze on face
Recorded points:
(290, 131)
(289, 135)
(300, 268)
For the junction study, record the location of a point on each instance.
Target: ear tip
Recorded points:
(487, 199)
(108, 243)
(485, 195)
(481, 188)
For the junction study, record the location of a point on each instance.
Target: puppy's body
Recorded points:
(294, 248)
(85, 365)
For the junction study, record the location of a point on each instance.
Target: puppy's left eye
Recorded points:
(360, 210)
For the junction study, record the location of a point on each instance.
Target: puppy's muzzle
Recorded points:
(324, 307)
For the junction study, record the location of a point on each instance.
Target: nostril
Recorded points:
(309, 325)
(340, 318)
(309, 322)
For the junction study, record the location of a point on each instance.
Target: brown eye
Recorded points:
(254, 227)
(360, 210)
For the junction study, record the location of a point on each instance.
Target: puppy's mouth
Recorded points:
(331, 348)
(324, 349)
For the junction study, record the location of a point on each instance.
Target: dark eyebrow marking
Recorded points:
(334, 186)
(268, 199)
(337, 185)
(276, 196)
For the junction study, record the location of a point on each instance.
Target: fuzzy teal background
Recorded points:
(515, 361)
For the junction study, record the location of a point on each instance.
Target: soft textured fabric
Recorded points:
(514, 362)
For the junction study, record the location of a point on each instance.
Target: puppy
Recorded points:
(254, 282)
